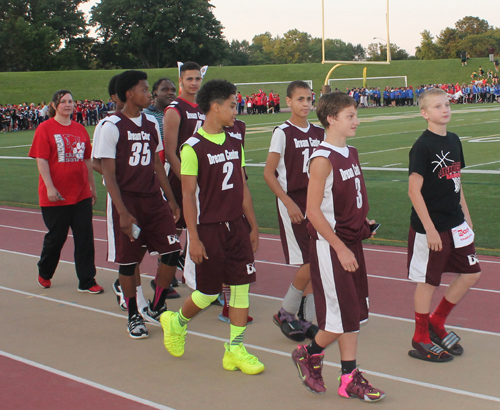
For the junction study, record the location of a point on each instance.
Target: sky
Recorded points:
(353, 21)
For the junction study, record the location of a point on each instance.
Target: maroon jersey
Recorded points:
(220, 184)
(237, 130)
(345, 202)
(191, 119)
(295, 147)
(135, 156)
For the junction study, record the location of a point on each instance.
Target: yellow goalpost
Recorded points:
(338, 63)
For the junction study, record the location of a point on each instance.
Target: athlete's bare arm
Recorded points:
(171, 122)
(165, 186)
(250, 215)
(91, 180)
(273, 159)
(196, 247)
(109, 173)
(415, 183)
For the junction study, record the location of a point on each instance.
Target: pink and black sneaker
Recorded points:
(355, 385)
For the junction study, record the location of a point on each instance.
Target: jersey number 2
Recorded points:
(140, 153)
(228, 170)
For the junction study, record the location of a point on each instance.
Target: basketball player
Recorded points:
(137, 212)
(285, 172)
(337, 208)
(221, 224)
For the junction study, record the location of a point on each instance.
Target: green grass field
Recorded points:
(383, 140)
(20, 87)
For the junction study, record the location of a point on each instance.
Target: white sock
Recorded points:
(309, 308)
(141, 300)
(292, 299)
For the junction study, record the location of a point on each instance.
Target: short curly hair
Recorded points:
(214, 91)
(126, 81)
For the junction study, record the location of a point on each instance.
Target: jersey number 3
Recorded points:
(359, 197)
(140, 153)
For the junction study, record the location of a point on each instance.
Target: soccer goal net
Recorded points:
(381, 82)
(276, 87)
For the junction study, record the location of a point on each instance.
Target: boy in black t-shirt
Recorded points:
(441, 238)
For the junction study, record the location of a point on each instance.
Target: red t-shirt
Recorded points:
(65, 147)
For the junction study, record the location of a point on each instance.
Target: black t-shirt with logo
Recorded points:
(439, 160)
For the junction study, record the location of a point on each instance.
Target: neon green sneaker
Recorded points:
(174, 342)
(241, 359)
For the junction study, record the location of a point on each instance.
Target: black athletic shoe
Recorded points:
(289, 326)
(151, 315)
(117, 290)
(136, 327)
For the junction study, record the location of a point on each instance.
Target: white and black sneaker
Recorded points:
(153, 316)
(136, 327)
(117, 290)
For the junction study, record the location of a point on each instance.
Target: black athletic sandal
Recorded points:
(448, 343)
(429, 353)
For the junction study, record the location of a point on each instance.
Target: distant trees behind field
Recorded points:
(48, 35)
(470, 34)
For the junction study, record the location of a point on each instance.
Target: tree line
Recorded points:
(49, 35)
(470, 34)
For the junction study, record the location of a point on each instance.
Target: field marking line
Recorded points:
(86, 382)
(273, 351)
(16, 146)
(2, 157)
(486, 163)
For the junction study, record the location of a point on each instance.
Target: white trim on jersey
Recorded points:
(294, 252)
(327, 205)
(111, 233)
(189, 272)
(419, 259)
(333, 316)
(278, 145)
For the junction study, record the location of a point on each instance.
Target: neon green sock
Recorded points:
(237, 335)
(179, 321)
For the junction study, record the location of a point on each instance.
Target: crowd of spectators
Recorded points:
(484, 88)
(259, 103)
(24, 116)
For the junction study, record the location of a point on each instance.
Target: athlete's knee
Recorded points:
(239, 296)
(127, 270)
(170, 259)
(202, 300)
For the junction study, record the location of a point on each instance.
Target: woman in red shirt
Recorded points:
(66, 192)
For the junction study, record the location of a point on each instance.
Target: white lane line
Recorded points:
(279, 352)
(278, 264)
(85, 381)
(44, 232)
(34, 212)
